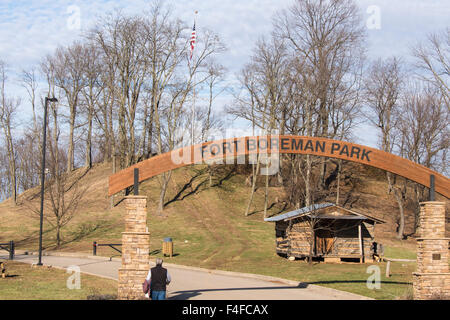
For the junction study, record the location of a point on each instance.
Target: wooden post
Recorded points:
(2, 270)
(136, 181)
(388, 269)
(432, 188)
(361, 245)
(314, 248)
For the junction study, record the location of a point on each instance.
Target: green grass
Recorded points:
(399, 253)
(27, 283)
(210, 231)
(230, 241)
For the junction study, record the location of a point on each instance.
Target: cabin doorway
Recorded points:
(324, 242)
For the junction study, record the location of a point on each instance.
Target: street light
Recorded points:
(44, 133)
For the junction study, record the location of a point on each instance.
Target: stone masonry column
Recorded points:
(135, 249)
(432, 279)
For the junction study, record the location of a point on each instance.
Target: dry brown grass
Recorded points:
(26, 283)
(19, 224)
(209, 227)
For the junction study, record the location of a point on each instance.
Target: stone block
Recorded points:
(135, 249)
(432, 279)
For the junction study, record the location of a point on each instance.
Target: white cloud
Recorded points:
(403, 24)
(30, 29)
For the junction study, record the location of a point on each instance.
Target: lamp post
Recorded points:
(44, 133)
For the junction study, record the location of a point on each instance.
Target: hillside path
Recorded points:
(195, 284)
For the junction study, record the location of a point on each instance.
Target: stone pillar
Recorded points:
(135, 249)
(432, 279)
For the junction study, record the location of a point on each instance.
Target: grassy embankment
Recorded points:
(26, 283)
(209, 230)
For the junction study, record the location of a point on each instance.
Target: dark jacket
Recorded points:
(158, 279)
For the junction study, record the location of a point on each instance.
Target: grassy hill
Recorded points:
(209, 229)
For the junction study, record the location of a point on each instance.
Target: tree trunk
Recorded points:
(308, 181)
(88, 163)
(58, 235)
(165, 183)
(150, 134)
(266, 196)
(255, 174)
(401, 224)
(112, 140)
(11, 159)
(70, 152)
(338, 181)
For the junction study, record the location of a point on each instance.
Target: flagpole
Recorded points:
(193, 109)
(193, 80)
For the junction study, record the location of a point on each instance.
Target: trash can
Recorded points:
(168, 247)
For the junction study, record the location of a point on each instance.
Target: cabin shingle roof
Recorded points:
(298, 212)
(315, 207)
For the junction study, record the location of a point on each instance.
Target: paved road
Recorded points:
(203, 285)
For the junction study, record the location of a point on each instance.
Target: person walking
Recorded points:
(159, 278)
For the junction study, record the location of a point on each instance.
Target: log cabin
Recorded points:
(325, 231)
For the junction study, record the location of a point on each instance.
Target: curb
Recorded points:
(65, 254)
(216, 272)
(83, 272)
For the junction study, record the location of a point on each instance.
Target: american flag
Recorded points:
(193, 40)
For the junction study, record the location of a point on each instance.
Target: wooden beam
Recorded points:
(399, 260)
(231, 148)
(361, 244)
(388, 269)
(388, 264)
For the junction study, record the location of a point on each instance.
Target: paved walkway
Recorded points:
(197, 284)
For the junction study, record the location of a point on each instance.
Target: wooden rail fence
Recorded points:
(10, 247)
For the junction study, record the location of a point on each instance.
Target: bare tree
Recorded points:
(119, 38)
(4, 174)
(433, 61)
(28, 165)
(383, 89)
(68, 64)
(63, 192)
(424, 128)
(63, 196)
(328, 37)
(29, 81)
(424, 133)
(91, 91)
(8, 108)
(306, 80)
(216, 74)
(173, 83)
(264, 98)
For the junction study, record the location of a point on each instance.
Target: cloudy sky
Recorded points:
(30, 29)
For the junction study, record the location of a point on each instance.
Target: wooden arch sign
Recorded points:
(227, 150)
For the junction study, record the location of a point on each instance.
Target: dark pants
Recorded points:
(158, 295)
